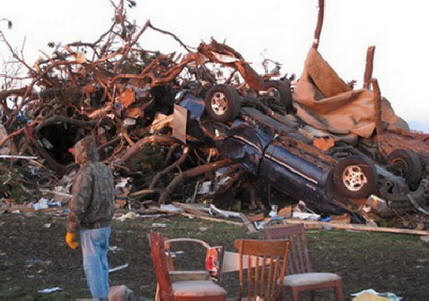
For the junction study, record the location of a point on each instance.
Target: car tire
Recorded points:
(407, 164)
(280, 91)
(355, 177)
(222, 103)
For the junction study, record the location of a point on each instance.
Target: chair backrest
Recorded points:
(213, 256)
(159, 259)
(262, 267)
(299, 261)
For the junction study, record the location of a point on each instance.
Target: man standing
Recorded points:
(91, 210)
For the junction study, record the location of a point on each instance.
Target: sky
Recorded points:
(281, 30)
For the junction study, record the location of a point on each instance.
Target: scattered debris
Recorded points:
(306, 216)
(171, 208)
(159, 225)
(128, 215)
(41, 204)
(356, 227)
(370, 294)
(118, 268)
(114, 249)
(204, 217)
(425, 238)
(50, 290)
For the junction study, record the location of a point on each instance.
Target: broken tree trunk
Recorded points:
(132, 150)
(171, 167)
(193, 172)
(17, 132)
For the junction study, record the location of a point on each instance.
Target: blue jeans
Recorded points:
(95, 244)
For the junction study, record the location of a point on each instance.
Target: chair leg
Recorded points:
(313, 295)
(294, 294)
(157, 298)
(339, 293)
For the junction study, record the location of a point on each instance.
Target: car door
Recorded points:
(293, 174)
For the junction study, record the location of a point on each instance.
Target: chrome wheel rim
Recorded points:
(219, 103)
(354, 178)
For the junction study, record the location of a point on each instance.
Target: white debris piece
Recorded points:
(121, 267)
(123, 182)
(369, 294)
(50, 290)
(159, 225)
(205, 187)
(170, 207)
(128, 215)
(41, 204)
(425, 238)
(306, 216)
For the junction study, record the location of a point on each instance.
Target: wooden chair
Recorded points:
(262, 268)
(299, 273)
(191, 290)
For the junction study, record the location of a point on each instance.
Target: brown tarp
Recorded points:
(326, 102)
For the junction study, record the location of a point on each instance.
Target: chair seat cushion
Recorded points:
(189, 275)
(197, 288)
(309, 278)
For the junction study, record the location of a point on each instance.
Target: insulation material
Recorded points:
(323, 100)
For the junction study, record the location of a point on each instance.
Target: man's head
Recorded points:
(85, 150)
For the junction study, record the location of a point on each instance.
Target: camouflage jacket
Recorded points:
(92, 192)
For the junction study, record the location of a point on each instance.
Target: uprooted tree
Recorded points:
(120, 93)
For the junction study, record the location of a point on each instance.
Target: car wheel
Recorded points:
(407, 164)
(222, 103)
(280, 91)
(355, 177)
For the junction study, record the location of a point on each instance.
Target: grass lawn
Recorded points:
(33, 256)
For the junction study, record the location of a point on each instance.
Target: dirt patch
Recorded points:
(33, 256)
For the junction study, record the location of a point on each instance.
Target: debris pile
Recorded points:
(207, 115)
(117, 91)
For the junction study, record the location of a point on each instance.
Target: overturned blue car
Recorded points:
(279, 156)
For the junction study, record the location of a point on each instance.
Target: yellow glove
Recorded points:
(71, 240)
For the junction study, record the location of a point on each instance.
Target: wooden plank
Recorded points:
(368, 67)
(196, 209)
(23, 209)
(256, 217)
(355, 227)
(319, 26)
(213, 219)
(377, 109)
(161, 122)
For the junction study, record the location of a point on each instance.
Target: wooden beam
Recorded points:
(319, 25)
(368, 67)
(377, 108)
(356, 227)
(208, 218)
